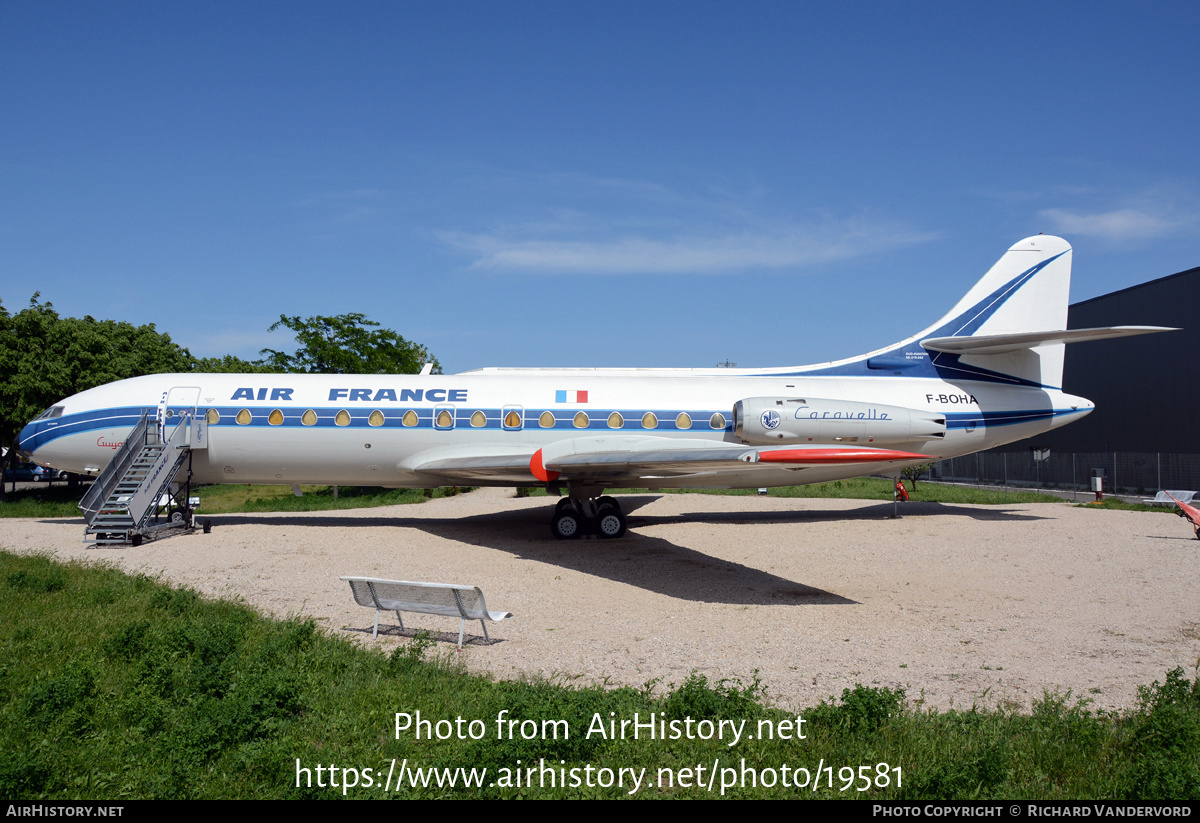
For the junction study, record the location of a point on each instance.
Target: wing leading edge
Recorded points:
(626, 460)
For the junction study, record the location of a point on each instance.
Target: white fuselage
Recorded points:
(358, 430)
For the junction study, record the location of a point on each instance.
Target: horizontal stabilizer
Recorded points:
(1005, 343)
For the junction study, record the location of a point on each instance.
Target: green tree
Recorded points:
(913, 472)
(346, 344)
(45, 357)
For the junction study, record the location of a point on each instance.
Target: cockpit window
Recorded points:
(50, 413)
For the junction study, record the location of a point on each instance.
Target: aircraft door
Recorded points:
(181, 401)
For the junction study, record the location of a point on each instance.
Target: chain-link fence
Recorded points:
(1130, 472)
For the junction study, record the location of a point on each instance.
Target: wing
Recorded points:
(608, 460)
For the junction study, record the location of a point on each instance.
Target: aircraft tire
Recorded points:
(608, 501)
(567, 525)
(610, 522)
(563, 503)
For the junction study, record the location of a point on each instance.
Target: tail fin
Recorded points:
(1027, 291)
(1010, 328)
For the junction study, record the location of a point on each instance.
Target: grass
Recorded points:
(61, 501)
(873, 488)
(116, 687)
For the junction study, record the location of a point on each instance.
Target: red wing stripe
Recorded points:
(822, 456)
(538, 470)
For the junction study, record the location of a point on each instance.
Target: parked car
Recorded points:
(25, 472)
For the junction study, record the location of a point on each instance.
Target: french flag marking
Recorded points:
(562, 396)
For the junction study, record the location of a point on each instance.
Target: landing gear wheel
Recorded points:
(601, 502)
(610, 523)
(567, 524)
(563, 503)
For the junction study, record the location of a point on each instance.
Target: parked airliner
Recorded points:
(987, 373)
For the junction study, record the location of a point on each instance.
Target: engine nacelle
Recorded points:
(773, 420)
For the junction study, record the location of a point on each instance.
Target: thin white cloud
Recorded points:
(692, 254)
(1122, 224)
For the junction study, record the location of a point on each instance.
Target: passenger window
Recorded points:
(649, 421)
(546, 421)
(444, 419)
(376, 418)
(581, 420)
(275, 418)
(410, 419)
(717, 421)
(212, 417)
(243, 417)
(309, 418)
(512, 419)
(683, 421)
(478, 420)
(342, 418)
(615, 421)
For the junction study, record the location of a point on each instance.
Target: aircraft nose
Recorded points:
(26, 441)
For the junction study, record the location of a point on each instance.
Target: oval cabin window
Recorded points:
(243, 417)
(275, 418)
(309, 418)
(649, 421)
(212, 417)
(478, 420)
(546, 421)
(410, 419)
(717, 421)
(581, 420)
(376, 418)
(445, 419)
(512, 420)
(683, 421)
(342, 418)
(615, 421)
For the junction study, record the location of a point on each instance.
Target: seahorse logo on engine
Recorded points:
(770, 419)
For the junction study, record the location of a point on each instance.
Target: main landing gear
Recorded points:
(578, 515)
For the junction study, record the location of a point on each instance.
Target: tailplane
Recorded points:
(1010, 328)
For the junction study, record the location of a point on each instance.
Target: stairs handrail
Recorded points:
(107, 480)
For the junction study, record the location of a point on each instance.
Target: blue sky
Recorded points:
(573, 183)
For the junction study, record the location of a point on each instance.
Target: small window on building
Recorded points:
(683, 421)
(376, 418)
(243, 417)
(512, 419)
(342, 418)
(409, 419)
(546, 421)
(649, 421)
(444, 419)
(275, 418)
(581, 420)
(212, 417)
(717, 421)
(615, 420)
(309, 418)
(478, 420)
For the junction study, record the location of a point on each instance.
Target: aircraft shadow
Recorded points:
(649, 563)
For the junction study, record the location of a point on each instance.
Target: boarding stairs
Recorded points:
(124, 503)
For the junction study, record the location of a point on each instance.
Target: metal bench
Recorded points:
(446, 599)
(1163, 498)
